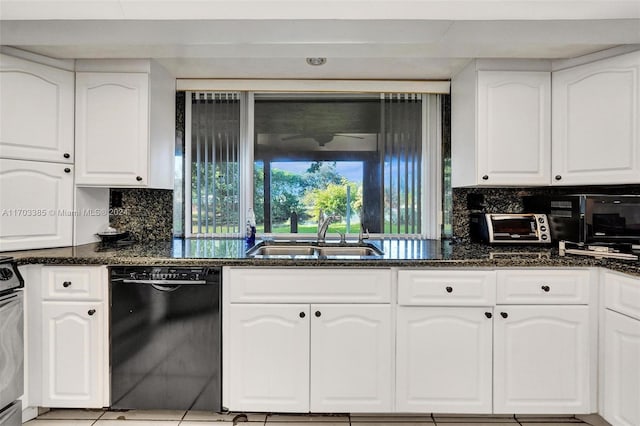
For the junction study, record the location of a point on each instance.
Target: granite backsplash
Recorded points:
(509, 200)
(146, 213)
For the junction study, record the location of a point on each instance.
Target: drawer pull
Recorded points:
(91, 312)
(318, 313)
(449, 289)
(66, 284)
(546, 288)
(488, 314)
(302, 315)
(504, 314)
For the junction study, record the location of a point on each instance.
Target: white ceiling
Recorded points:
(390, 39)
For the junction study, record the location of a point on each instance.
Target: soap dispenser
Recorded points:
(250, 236)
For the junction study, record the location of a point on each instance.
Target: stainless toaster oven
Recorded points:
(516, 228)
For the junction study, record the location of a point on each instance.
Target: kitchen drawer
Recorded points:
(444, 287)
(543, 287)
(622, 293)
(73, 282)
(300, 285)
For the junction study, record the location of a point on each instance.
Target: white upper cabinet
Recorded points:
(596, 112)
(125, 126)
(36, 111)
(36, 205)
(501, 128)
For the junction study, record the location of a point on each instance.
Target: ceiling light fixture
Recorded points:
(316, 61)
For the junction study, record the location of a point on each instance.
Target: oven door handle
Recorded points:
(164, 282)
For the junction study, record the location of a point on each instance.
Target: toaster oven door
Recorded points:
(513, 228)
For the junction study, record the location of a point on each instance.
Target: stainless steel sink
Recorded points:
(355, 250)
(282, 250)
(313, 249)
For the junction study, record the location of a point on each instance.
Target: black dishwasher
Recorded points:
(165, 336)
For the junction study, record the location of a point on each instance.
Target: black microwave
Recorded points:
(590, 218)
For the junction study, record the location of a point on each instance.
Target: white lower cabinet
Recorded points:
(443, 359)
(350, 358)
(481, 355)
(319, 358)
(622, 369)
(270, 347)
(70, 340)
(321, 351)
(621, 349)
(541, 360)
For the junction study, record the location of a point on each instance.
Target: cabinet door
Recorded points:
(514, 128)
(541, 360)
(443, 360)
(621, 369)
(36, 205)
(36, 111)
(73, 347)
(351, 358)
(269, 357)
(596, 110)
(112, 128)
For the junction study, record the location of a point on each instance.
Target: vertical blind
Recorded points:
(401, 150)
(215, 167)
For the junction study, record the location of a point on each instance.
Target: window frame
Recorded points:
(431, 160)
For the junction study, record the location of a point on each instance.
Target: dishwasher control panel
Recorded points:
(163, 273)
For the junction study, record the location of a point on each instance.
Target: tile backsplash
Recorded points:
(509, 200)
(146, 213)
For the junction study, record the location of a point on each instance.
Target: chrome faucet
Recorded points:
(323, 225)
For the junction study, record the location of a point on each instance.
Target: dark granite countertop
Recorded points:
(397, 253)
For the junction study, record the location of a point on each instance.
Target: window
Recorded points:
(371, 159)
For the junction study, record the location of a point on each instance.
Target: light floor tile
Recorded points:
(373, 418)
(303, 423)
(485, 422)
(70, 414)
(308, 418)
(136, 423)
(549, 419)
(548, 423)
(144, 415)
(394, 422)
(476, 420)
(59, 422)
(213, 416)
(205, 423)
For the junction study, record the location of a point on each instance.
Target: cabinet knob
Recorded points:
(66, 284)
(91, 312)
(546, 288)
(485, 177)
(504, 314)
(66, 155)
(488, 314)
(67, 170)
(318, 313)
(449, 289)
(139, 178)
(302, 315)
(558, 177)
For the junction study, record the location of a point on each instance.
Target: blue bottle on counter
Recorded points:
(250, 237)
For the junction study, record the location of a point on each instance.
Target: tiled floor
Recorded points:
(201, 418)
